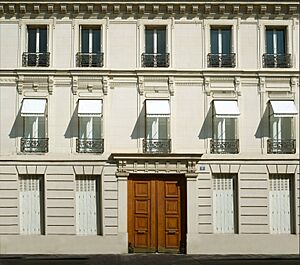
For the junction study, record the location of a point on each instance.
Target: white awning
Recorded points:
(284, 108)
(157, 107)
(90, 107)
(33, 107)
(226, 108)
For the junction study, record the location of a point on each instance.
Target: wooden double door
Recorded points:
(157, 213)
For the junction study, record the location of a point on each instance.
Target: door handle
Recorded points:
(141, 232)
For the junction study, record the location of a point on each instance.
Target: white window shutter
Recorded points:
(86, 206)
(30, 205)
(279, 203)
(223, 204)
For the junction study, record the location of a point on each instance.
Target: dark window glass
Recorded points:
(226, 41)
(31, 40)
(214, 41)
(149, 41)
(269, 44)
(43, 40)
(161, 41)
(85, 40)
(280, 41)
(96, 40)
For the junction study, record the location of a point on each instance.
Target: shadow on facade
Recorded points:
(139, 127)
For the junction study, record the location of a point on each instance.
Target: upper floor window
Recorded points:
(157, 138)
(34, 126)
(225, 114)
(281, 139)
(90, 54)
(37, 47)
(221, 54)
(276, 49)
(155, 54)
(89, 126)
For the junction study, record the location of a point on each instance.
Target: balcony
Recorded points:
(157, 146)
(89, 59)
(37, 59)
(34, 145)
(155, 60)
(281, 146)
(221, 60)
(227, 146)
(84, 145)
(277, 60)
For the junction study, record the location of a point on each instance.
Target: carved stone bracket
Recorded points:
(141, 85)
(237, 82)
(171, 84)
(50, 84)
(20, 84)
(262, 84)
(74, 85)
(105, 84)
(207, 86)
(294, 84)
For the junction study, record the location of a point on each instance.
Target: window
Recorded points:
(280, 198)
(224, 199)
(276, 55)
(31, 204)
(281, 139)
(157, 138)
(37, 47)
(89, 126)
(221, 55)
(34, 126)
(225, 114)
(87, 196)
(155, 54)
(90, 54)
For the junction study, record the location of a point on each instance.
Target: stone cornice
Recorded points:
(144, 8)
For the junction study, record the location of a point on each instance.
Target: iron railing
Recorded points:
(277, 60)
(155, 60)
(227, 146)
(34, 145)
(157, 146)
(287, 146)
(41, 59)
(221, 60)
(89, 59)
(84, 145)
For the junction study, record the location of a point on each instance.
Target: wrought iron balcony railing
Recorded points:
(34, 145)
(89, 59)
(85, 145)
(221, 60)
(227, 146)
(277, 60)
(155, 60)
(287, 146)
(162, 146)
(41, 59)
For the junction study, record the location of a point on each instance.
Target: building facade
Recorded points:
(149, 126)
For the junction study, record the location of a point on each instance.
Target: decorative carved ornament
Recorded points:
(14, 7)
(156, 164)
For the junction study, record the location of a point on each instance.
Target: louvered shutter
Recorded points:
(280, 208)
(30, 205)
(223, 204)
(86, 206)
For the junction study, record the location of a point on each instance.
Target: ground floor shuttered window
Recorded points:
(87, 194)
(223, 204)
(280, 198)
(31, 204)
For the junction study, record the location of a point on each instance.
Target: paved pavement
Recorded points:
(148, 259)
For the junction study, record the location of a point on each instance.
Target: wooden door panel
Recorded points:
(156, 208)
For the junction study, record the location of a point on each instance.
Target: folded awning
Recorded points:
(90, 107)
(33, 107)
(283, 108)
(226, 108)
(157, 107)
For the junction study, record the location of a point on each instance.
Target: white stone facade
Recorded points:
(124, 84)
